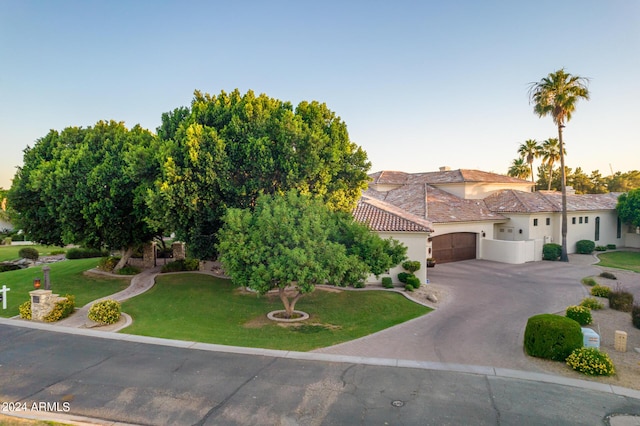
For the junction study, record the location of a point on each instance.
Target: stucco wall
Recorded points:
(515, 252)
(416, 250)
(632, 240)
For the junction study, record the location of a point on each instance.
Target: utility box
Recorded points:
(620, 342)
(590, 339)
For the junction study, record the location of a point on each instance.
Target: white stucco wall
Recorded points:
(631, 240)
(514, 252)
(416, 243)
(586, 230)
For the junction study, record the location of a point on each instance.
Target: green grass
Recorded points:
(11, 252)
(621, 259)
(202, 308)
(66, 278)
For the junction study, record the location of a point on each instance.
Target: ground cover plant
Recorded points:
(621, 259)
(591, 303)
(67, 277)
(591, 362)
(202, 308)
(600, 290)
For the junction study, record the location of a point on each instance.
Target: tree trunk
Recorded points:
(564, 257)
(126, 254)
(550, 176)
(289, 305)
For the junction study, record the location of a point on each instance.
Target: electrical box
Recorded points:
(590, 339)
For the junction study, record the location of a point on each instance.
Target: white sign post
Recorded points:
(3, 296)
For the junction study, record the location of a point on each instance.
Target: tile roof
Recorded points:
(461, 176)
(513, 201)
(382, 216)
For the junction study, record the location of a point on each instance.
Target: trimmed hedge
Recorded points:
(29, 253)
(551, 251)
(386, 282)
(552, 336)
(402, 277)
(183, 265)
(85, 253)
(585, 246)
(411, 265)
(413, 281)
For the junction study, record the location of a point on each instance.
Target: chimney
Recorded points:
(445, 168)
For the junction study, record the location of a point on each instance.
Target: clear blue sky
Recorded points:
(420, 84)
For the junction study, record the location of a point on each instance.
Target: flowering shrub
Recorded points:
(591, 303)
(25, 310)
(580, 314)
(105, 312)
(591, 362)
(62, 309)
(600, 290)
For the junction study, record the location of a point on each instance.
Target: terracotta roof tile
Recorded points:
(382, 216)
(583, 202)
(510, 200)
(443, 207)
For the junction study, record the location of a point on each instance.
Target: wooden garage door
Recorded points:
(454, 247)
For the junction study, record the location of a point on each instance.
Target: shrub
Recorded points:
(411, 265)
(25, 310)
(591, 362)
(29, 253)
(589, 281)
(551, 251)
(105, 312)
(56, 252)
(413, 281)
(129, 270)
(635, 316)
(108, 263)
(183, 265)
(600, 290)
(585, 246)
(408, 287)
(608, 275)
(620, 300)
(601, 248)
(611, 246)
(386, 282)
(591, 303)
(552, 336)
(62, 309)
(359, 284)
(7, 241)
(580, 314)
(85, 253)
(402, 277)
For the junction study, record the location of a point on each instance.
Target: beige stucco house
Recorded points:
(469, 214)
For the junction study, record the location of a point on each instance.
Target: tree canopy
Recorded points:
(87, 186)
(295, 241)
(228, 149)
(628, 207)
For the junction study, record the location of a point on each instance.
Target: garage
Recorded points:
(454, 247)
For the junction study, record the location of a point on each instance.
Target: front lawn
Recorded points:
(621, 259)
(66, 278)
(8, 253)
(197, 307)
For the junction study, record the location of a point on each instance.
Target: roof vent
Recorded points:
(445, 168)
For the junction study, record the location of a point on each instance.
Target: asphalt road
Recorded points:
(147, 381)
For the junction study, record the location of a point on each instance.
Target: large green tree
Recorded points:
(529, 151)
(628, 207)
(293, 242)
(87, 186)
(228, 149)
(557, 96)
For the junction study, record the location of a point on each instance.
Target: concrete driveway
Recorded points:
(483, 321)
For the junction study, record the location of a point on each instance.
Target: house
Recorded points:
(475, 214)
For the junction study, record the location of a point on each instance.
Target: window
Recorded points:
(597, 236)
(573, 220)
(548, 221)
(580, 219)
(586, 219)
(619, 229)
(535, 222)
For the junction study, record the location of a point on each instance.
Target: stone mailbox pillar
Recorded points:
(149, 255)
(178, 251)
(620, 342)
(42, 303)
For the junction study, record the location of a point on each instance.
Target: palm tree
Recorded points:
(557, 95)
(550, 154)
(530, 150)
(519, 169)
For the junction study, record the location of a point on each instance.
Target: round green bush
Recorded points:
(585, 246)
(608, 275)
(591, 362)
(402, 277)
(581, 314)
(386, 282)
(552, 336)
(105, 312)
(28, 253)
(600, 291)
(408, 287)
(411, 265)
(413, 281)
(589, 281)
(551, 251)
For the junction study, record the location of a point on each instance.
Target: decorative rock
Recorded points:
(432, 298)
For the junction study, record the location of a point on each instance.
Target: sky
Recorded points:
(420, 84)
